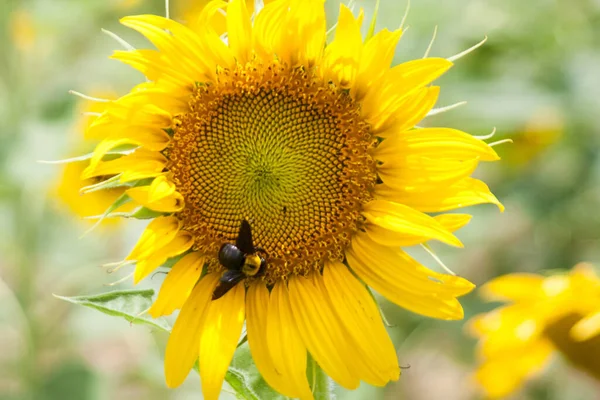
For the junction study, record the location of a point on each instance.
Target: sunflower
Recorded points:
(313, 144)
(545, 314)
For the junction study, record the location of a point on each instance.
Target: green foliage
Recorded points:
(244, 378)
(128, 304)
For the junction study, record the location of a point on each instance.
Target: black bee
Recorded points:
(241, 260)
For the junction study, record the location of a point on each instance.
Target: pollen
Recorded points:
(281, 148)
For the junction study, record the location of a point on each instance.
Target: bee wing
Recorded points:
(244, 239)
(229, 279)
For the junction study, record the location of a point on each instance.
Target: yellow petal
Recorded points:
(424, 173)
(210, 41)
(140, 164)
(178, 44)
(178, 285)
(376, 59)
(360, 316)
(155, 66)
(342, 56)
(405, 282)
(292, 30)
(220, 331)
(169, 99)
(321, 332)
(464, 193)
(410, 111)
(586, 328)
(204, 48)
(434, 143)
(402, 220)
(514, 287)
(160, 196)
(239, 30)
(182, 347)
(453, 222)
(257, 317)
(159, 232)
(181, 243)
(386, 96)
(284, 342)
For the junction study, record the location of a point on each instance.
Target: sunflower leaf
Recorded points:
(244, 378)
(128, 304)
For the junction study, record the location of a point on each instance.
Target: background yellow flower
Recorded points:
(560, 312)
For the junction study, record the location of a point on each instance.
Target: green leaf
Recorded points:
(128, 304)
(245, 380)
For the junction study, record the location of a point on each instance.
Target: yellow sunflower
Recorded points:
(313, 145)
(559, 312)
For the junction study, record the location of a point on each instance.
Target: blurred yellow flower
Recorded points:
(313, 144)
(560, 312)
(89, 204)
(544, 128)
(70, 183)
(22, 30)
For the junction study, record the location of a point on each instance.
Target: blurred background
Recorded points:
(536, 80)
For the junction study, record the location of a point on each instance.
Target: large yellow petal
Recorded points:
(204, 48)
(160, 196)
(422, 173)
(386, 96)
(159, 232)
(404, 222)
(293, 30)
(178, 285)
(169, 99)
(410, 111)
(155, 66)
(405, 282)
(434, 143)
(342, 56)
(181, 243)
(176, 42)
(182, 347)
(257, 318)
(239, 30)
(377, 55)
(466, 192)
(142, 163)
(285, 344)
(322, 333)
(453, 222)
(450, 222)
(220, 332)
(361, 318)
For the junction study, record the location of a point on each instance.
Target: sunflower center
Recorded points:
(282, 149)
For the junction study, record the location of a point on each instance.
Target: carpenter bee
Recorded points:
(241, 260)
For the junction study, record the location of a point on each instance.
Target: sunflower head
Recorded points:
(558, 312)
(313, 142)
